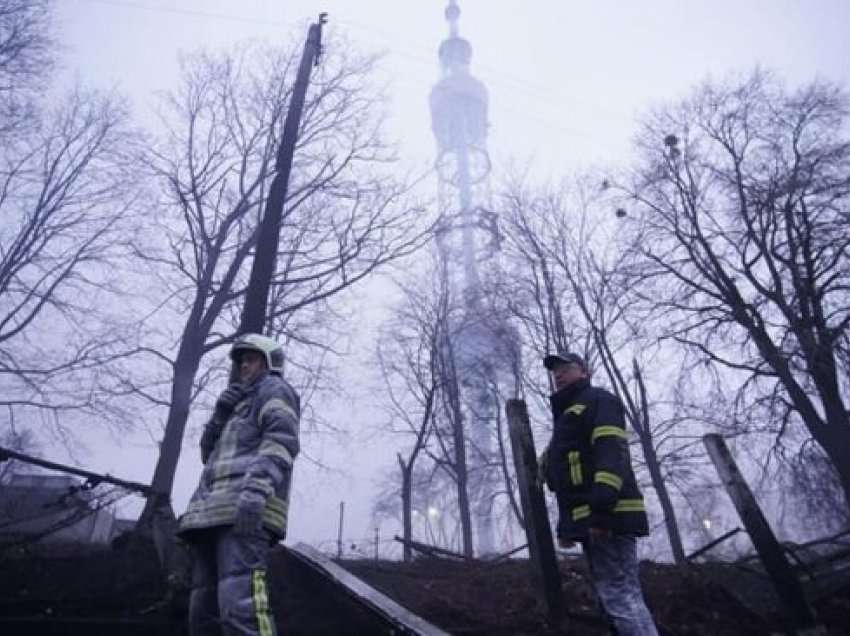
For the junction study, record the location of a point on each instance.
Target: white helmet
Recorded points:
(271, 350)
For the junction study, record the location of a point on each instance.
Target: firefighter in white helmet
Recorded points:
(239, 509)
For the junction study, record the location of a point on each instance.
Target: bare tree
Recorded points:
(449, 431)
(26, 61)
(344, 216)
(425, 374)
(742, 207)
(555, 237)
(503, 459)
(533, 290)
(813, 486)
(66, 198)
(407, 356)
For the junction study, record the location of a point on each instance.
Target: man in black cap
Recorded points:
(588, 467)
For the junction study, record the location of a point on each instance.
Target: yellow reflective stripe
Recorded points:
(609, 479)
(275, 512)
(624, 505)
(261, 603)
(275, 449)
(605, 431)
(229, 483)
(225, 451)
(199, 515)
(276, 403)
(580, 512)
(629, 505)
(220, 509)
(577, 409)
(574, 461)
(231, 467)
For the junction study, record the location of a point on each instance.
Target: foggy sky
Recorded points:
(566, 81)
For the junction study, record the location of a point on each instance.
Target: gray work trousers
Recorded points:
(613, 566)
(229, 593)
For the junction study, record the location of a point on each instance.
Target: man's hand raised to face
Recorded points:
(228, 400)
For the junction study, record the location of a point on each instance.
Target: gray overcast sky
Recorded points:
(566, 80)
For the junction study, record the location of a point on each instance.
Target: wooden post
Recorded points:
(544, 566)
(801, 617)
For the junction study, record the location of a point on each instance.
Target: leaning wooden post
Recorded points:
(801, 617)
(544, 567)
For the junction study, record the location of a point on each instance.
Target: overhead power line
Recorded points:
(129, 4)
(416, 52)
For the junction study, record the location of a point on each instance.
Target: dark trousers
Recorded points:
(613, 569)
(229, 593)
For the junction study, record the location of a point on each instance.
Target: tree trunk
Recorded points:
(461, 472)
(406, 507)
(506, 475)
(462, 492)
(833, 433)
(834, 439)
(654, 467)
(185, 368)
(661, 491)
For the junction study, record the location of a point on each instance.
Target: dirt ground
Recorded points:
(122, 592)
(497, 599)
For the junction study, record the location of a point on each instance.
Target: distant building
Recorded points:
(52, 509)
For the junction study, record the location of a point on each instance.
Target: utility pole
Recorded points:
(339, 530)
(158, 517)
(253, 317)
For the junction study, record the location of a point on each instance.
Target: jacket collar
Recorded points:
(566, 396)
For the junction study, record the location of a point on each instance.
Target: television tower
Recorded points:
(467, 242)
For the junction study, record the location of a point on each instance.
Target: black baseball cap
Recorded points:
(556, 359)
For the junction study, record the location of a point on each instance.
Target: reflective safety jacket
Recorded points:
(254, 450)
(588, 464)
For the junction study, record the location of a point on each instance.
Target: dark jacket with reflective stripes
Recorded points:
(588, 464)
(254, 449)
